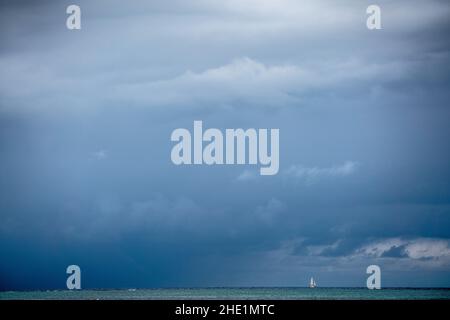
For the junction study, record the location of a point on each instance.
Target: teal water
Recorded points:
(234, 293)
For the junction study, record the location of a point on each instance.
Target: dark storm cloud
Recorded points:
(395, 252)
(86, 117)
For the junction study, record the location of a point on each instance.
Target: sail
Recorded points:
(312, 283)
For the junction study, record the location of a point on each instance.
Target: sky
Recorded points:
(86, 116)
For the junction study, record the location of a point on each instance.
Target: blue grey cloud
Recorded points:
(86, 118)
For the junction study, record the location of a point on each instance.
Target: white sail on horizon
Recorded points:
(312, 283)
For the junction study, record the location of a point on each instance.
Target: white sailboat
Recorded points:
(312, 283)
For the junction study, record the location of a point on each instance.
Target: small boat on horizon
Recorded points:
(312, 283)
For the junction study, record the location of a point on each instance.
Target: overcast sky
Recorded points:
(86, 116)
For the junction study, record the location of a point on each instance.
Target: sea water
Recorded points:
(235, 293)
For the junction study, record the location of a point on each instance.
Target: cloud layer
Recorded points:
(86, 118)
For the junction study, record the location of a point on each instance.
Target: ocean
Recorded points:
(233, 294)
